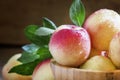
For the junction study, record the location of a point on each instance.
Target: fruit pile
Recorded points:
(91, 44)
(93, 47)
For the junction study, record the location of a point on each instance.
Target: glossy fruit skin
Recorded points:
(94, 52)
(102, 25)
(114, 50)
(11, 63)
(70, 45)
(43, 71)
(98, 63)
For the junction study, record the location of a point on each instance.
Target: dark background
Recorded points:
(15, 15)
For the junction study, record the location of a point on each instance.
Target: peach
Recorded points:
(70, 45)
(43, 71)
(98, 63)
(101, 26)
(114, 50)
(13, 76)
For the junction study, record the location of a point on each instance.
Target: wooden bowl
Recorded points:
(67, 73)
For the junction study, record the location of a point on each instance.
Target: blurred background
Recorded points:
(15, 15)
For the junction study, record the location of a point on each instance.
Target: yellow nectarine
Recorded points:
(102, 25)
(13, 76)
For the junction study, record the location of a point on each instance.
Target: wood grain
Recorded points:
(66, 73)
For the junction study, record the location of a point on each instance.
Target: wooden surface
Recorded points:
(66, 73)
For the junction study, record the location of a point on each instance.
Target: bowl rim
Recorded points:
(53, 63)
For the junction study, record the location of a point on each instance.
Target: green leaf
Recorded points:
(29, 53)
(48, 23)
(43, 52)
(24, 69)
(28, 57)
(40, 35)
(27, 68)
(38, 51)
(31, 32)
(30, 48)
(44, 31)
(77, 12)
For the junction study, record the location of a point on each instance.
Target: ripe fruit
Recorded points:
(101, 26)
(43, 71)
(13, 76)
(114, 50)
(70, 45)
(99, 63)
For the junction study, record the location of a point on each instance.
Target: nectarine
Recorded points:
(101, 26)
(98, 63)
(114, 50)
(43, 71)
(70, 45)
(13, 76)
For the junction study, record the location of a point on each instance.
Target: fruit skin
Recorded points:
(102, 25)
(70, 45)
(43, 71)
(114, 50)
(98, 63)
(13, 76)
(95, 52)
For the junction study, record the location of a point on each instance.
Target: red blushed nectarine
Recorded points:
(70, 45)
(43, 71)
